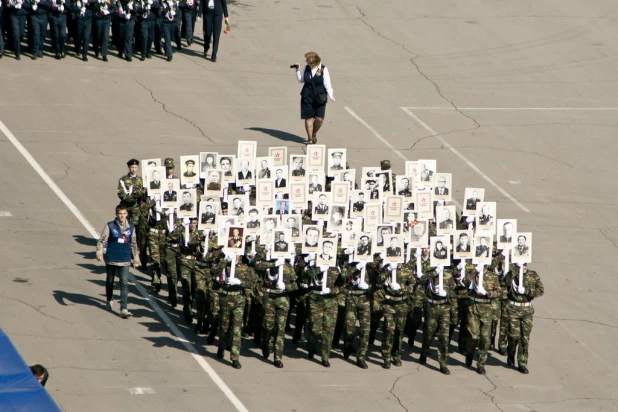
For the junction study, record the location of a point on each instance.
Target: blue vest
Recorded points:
(117, 251)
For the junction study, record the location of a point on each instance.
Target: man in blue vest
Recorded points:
(118, 247)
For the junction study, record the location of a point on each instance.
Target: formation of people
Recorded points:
(138, 27)
(232, 295)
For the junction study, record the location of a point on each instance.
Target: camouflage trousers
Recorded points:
(520, 326)
(500, 315)
(202, 279)
(188, 279)
(437, 322)
(186, 267)
(276, 307)
(377, 313)
(156, 246)
(142, 231)
(322, 319)
(230, 322)
(479, 325)
(213, 307)
(395, 315)
(357, 307)
(340, 323)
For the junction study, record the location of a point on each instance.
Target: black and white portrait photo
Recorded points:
(463, 244)
(383, 233)
(483, 244)
(358, 201)
(267, 232)
(252, 220)
(237, 205)
(223, 224)
(505, 233)
(472, 196)
(327, 252)
(335, 222)
(311, 235)
(227, 165)
(404, 186)
(292, 222)
(522, 251)
(372, 186)
(213, 181)
(350, 228)
(427, 170)
(149, 163)
(154, 180)
(442, 186)
(447, 220)
(189, 169)
(364, 244)
(419, 234)
(486, 217)
(208, 161)
(208, 215)
(336, 161)
(244, 175)
(394, 249)
(384, 180)
(316, 182)
(281, 179)
(349, 176)
(264, 168)
(439, 250)
(297, 168)
(170, 193)
(321, 205)
(281, 247)
(187, 204)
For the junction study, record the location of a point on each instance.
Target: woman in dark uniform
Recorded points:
(310, 109)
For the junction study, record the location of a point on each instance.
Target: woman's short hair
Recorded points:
(312, 59)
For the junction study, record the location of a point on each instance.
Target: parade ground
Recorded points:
(519, 98)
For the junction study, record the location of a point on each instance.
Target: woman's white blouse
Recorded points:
(329, 89)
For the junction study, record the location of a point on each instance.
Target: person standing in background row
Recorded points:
(213, 11)
(316, 81)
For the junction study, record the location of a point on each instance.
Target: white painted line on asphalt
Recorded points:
(153, 304)
(514, 108)
(5, 213)
(141, 391)
(465, 159)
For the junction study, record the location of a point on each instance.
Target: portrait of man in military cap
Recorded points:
(187, 204)
(188, 171)
(336, 161)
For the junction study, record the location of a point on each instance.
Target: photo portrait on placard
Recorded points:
(282, 207)
(188, 169)
(321, 205)
(447, 220)
(265, 193)
(370, 172)
(427, 169)
(409, 217)
(316, 182)
(341, 193)
(404, 186)
(463, 244)
(244, 176)
(283, 246)
(358, 200)
(337, 213)
(413, 171)
(372, 216)
(264, 168)
(522, 251)
(298, 195)
(235, 240)
(247, 150)
(486, 217)
(505, 233)
(349, 176)
(439, 251)
(187, 203)
(267, 233)
(348, 234)
(297, 168)
(208, 213)
(371, 186)
(327, 252)
(336, 161)
(424, 204)
(384, 178)
(293, 224)
(393, 209)
(223, 224)
(253, 223)
(170, 194)
(208, 161)
(483, 244)
(419, 234)
(311, 235)
(154, 180)
(394, 249)
(214, 183)
(281, 179)
(279, 155)
(443, 186)
(316, 157)
(383, 233)
(237, 205)
(472, 196)
(227, 166)
(364, 244)
(148, 163)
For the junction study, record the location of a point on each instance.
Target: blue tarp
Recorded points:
(19, 389)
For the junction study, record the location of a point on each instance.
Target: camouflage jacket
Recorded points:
(334, 280)
(271, 275)
(420, 283)
(403, 276)
(533, 287)
(130, 197)
(243, 272)
(491, 284)
(448, 284)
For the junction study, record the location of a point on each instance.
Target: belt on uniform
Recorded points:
(478, 300)
(275, 291)
(438, 301)
(231, 292)
(190, 257)
(170, 244)
(357, 292)
(520, 304)
(395, 298)
(320, 293)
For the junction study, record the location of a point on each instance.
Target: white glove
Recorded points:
(417, 252)
(382, 255)
(327, 290)
(247, 188)
(479, 268)
(460, 265)
(363, 286)
(82, 10)
(34, 7)
(130, 5)
(395, 286)
(172, 13)
(281, 286)
(127, 16)
(268, 247)
(405, 240)
(229, 258)
(469, 219)
(349, 251)
(388, 267)
(252, 253)
(235, 282)
(361, 265)
(505, 251)
(323, 268)
(186, 221)
(481, 290)
(442, 293)
(521, 290)
(280, 262)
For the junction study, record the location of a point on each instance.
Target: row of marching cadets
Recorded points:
(136, 25)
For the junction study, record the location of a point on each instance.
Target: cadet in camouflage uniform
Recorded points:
(438, 315)
(130, 191)
(463, 302)
(322, 309)
(172, 240)
(521, 312)
(203, 280)
(373, 270)
(418, 296)
(156, 245)
(358, 306)
(342, 260)
(188, 256)
(396, 309)
(480, 313)
(303, 291)
(143, 228)
(232, 303)
(213, 306)
(500, 306)
(253, 317)
(276, 302)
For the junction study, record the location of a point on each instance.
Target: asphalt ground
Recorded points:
(518, 98)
